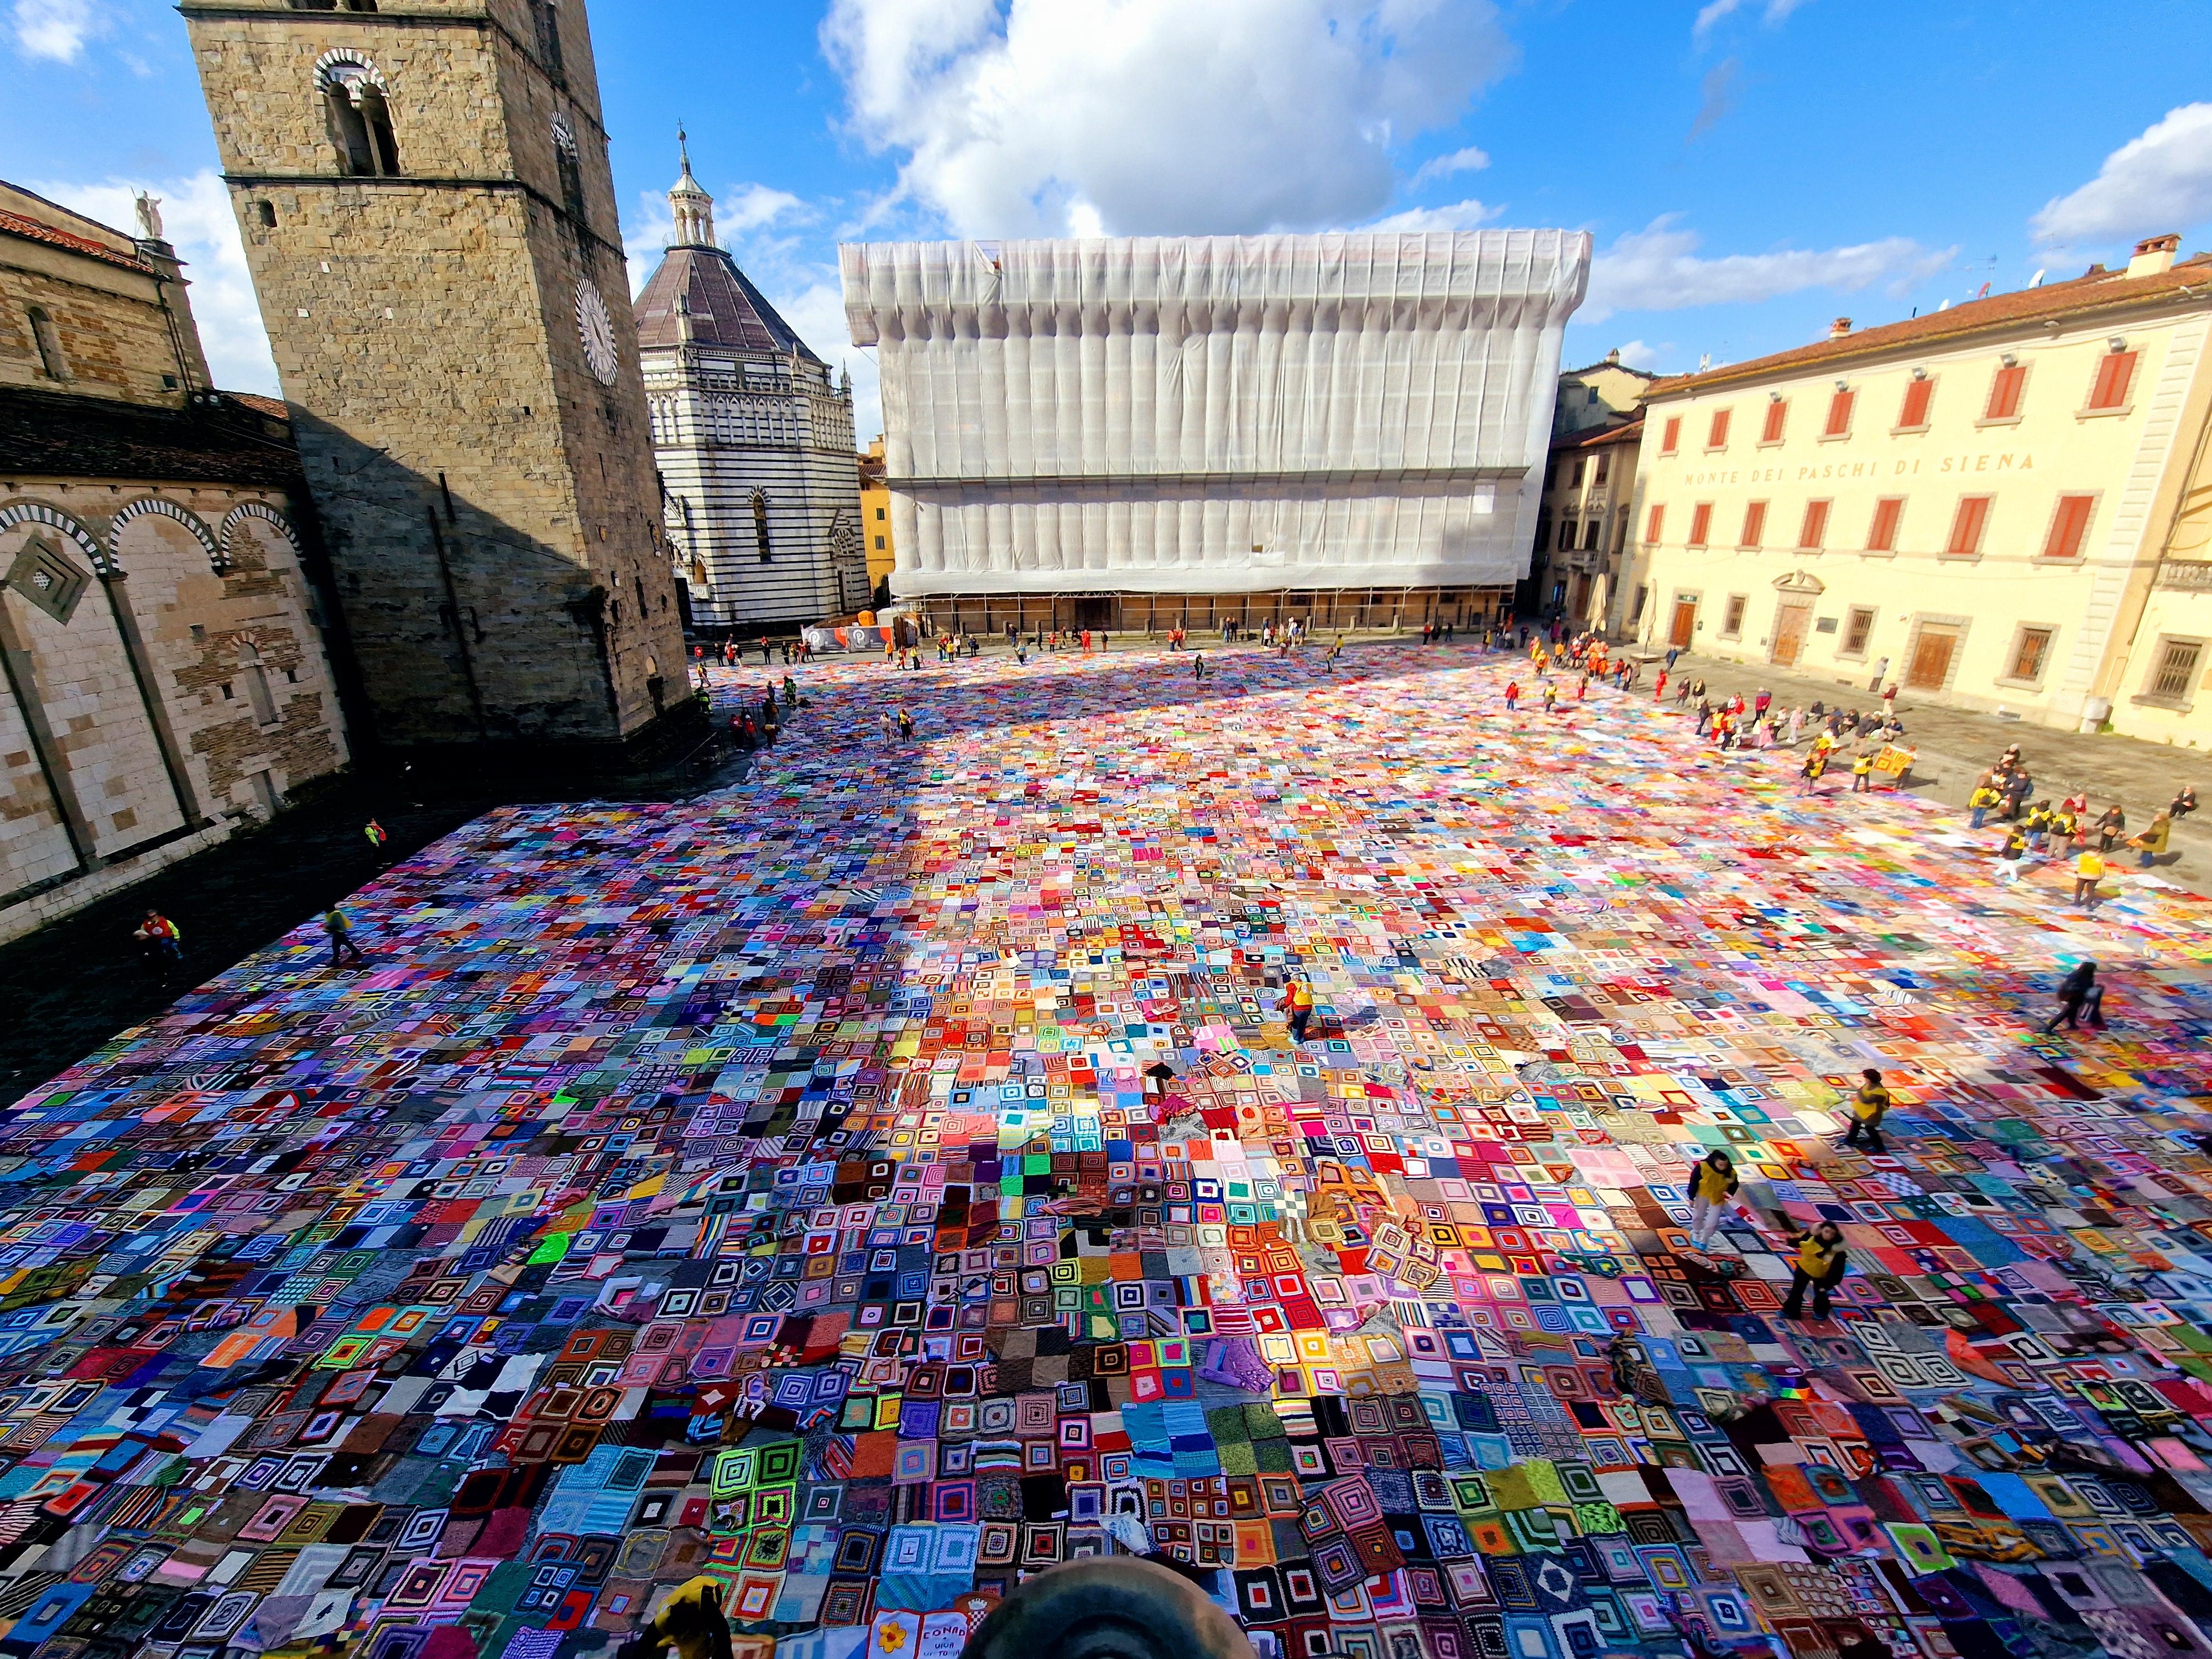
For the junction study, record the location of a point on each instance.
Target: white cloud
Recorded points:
(2158, 181)
(818, 312)
(1658, 269)
(55, 29)
(1714, 11)
(645, 238)
(1717, 97)
(1457, 215)
(1161, 116)
(1469, 160)
(198, 219)
(1636, 354)
(752, 205)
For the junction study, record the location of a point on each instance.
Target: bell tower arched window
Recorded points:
(565, 157)
(546, 21)
(760, 525)
(358, 119)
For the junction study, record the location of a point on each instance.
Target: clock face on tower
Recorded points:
(598, 330)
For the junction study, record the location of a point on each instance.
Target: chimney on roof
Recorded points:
(1614, 356)
(2155, 255)
(1840, 327)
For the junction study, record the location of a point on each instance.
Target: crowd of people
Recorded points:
(2036, 831)
(756, 723)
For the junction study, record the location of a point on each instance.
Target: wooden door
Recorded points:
(1686, 623)
(1931, 658)
(1789, 623)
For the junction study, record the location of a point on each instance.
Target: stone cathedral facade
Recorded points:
(430, 224)
(753, 438)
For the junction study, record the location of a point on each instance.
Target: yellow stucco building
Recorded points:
(2002, 505)
(876, 520)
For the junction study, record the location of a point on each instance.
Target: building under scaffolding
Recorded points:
(1159, 431)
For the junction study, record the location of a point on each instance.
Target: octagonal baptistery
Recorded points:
(1226, 415)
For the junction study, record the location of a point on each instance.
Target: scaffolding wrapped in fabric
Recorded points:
(1224, 414)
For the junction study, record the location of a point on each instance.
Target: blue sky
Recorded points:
(1749, 169)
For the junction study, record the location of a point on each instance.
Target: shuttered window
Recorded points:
(1917, 394)
(1670, 437)
(1716, 434)
(1701, 523)
(2070, 526)
(1881, 534)
(1777, 417)
(2005, 388)
(1652, 521)
(2115, 372)
(1966, 527)
(1813, 534)
(1754, 523)
(1839, 414)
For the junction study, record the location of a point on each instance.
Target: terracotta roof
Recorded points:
(35, 231)
(726, 310)
(275, 407)
(45, 434)
(1625, 432)
(2085, 295)
(1626, 368)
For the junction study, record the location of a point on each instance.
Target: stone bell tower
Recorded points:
(430, 224)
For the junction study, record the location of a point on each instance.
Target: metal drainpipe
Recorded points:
(459, 623)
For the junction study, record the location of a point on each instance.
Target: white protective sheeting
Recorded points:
(1217, 414)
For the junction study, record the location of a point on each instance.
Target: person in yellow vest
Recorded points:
(2089, 871)
(1982, 802)
(691, 1619)
(2151, 844)
(1298, 1008)
(1818, 1265)
(1869, 1107)
(1713, 1192)
(2064, 827)
(1862, 773)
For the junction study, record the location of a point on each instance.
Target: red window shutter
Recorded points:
(1916, 394)
(1776, 415)
(2005, 387)
(1754, 523)
(1840, 414)
(1652, 521)
(1967, 527)
(1882, 537)
(1701, 523)
(1672, 438)
(2116, 371)
(1815, 530)
(2068, 525)
(1717, 437)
